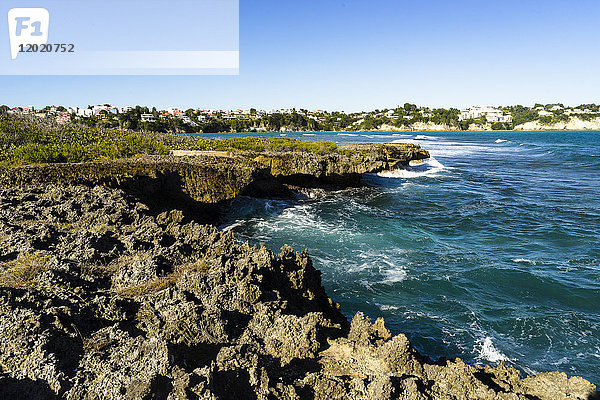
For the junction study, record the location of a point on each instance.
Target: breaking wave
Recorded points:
(429, 167)
(488, 353)
(425, 137)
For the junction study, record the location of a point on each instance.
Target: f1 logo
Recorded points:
(27, 26)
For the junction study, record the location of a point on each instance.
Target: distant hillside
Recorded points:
(408, 117)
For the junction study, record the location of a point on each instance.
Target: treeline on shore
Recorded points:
(403, 117)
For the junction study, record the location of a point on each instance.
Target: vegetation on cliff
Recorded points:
(27, 140)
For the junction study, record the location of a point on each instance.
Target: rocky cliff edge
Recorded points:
(214, 177)
(103, 297)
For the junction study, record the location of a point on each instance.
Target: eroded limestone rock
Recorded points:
(100, 297)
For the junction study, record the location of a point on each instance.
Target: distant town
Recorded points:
(406, 117)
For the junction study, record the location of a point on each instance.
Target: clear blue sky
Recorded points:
(352, 55)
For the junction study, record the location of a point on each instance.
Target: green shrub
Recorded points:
(500, 126)
(34, 140)
(37, 153)
(262, 144)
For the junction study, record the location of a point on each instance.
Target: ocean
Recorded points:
(489, 251)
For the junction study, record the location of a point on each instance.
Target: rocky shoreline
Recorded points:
(105, 293)
(209, 177)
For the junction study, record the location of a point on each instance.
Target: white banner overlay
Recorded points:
(137, 37)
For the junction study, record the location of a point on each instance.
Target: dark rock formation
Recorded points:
(102, 298)
(214, 177)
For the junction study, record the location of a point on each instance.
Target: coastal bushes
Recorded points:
(501, 126)
(28, 140)
(522, 114)
(24, 140)
(259, 144)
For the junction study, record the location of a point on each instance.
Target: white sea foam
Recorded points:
(529, 371)
(429, 167)
(391, 271)
(303, 218)
(500, 141)
(347, 134)
(374, 267)
(387, 307)
(524, 261)
(425, 137)
(562, 361)
(394, 275)
(487, 352)
(308, 134)
(452, 149)
(233, 226)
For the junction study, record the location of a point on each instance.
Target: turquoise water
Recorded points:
(490, 251)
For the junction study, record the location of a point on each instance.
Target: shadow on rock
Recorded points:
(234, 384)
(25, 389)
(157, 389)
(192, 357)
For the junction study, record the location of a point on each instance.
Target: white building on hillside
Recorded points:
(96, 110)
(84, 112)
(175, 111)
(148, 118)
(491, 114)
(63, 118)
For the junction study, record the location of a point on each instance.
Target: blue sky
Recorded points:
(353, 55)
